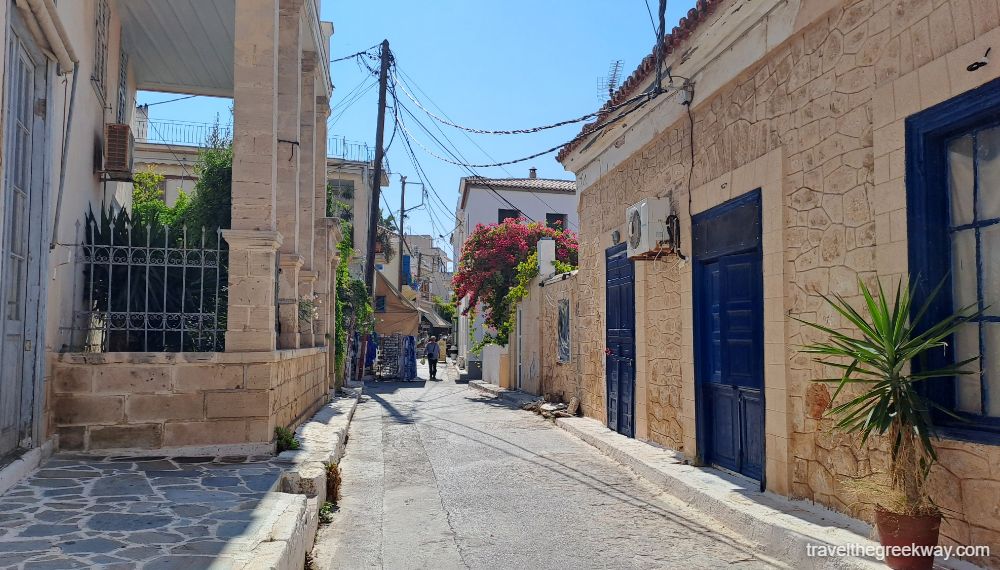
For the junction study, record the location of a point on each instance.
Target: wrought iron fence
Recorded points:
(340, 147)
(184, 133)
(150, 288)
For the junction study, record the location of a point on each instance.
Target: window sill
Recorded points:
(980, 434)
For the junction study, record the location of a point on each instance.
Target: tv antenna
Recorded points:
(606, 86)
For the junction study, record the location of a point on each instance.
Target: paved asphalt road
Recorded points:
(436, 476)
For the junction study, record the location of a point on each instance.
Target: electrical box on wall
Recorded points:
(648, 229)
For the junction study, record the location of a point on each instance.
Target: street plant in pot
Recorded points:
(874, 366)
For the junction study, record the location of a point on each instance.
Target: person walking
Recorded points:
(432, 351)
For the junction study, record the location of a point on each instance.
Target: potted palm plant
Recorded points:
(877, 358)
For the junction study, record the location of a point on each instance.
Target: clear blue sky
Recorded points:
(489, 65)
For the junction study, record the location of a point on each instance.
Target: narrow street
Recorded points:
(437, 476)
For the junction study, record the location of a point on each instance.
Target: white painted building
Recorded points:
(491, 200)
(429, 271)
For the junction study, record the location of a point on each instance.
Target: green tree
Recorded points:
(354, 312)
(446, 309)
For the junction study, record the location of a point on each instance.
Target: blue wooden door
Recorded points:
(729, 329)
(620, 353)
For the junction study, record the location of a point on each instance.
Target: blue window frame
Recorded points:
(380, 304)
(953, 224)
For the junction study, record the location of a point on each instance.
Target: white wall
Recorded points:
(481, 207)
(83, 186)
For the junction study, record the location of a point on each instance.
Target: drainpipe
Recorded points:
(62, 159)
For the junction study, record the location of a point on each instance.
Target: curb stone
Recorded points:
(782, 527)
(282, 537)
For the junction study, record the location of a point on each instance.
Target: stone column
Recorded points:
(325, 249)
(322, 107)
(289, 111)
(288, 156)
(251, 315)
(307, 336)
(288, 300)
(253, 241)
(321, 232)
(331, 315)
(307, 162)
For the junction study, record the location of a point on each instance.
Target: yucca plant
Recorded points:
(877, 358)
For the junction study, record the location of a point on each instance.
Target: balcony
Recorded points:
(344, 149)
(192, 134)
(179, 133)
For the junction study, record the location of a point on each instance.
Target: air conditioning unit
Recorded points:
(648, 228)
(118, 151)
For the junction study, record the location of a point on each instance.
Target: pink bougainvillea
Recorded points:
(487, 267)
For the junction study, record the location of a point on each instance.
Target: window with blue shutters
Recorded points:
(953, 225)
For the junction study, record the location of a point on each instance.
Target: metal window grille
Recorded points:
(123, 105)
(149, 288)
(100, 72)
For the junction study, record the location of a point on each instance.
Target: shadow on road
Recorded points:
(417, 412)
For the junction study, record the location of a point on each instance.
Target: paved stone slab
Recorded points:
(82, 511)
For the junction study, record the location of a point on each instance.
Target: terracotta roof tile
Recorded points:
(695, 17)
(544, 184)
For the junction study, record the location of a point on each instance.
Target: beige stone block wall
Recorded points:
(832, 99)
(146, 401)
(559, 380)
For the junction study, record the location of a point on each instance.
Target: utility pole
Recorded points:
(402, 213)
(373, 217)
(659, 46)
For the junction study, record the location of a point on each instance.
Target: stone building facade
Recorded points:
(806, 103)
(80, 65)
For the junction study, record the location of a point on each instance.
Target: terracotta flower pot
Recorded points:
(907, 531)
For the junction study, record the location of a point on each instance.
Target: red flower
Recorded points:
(491, 254)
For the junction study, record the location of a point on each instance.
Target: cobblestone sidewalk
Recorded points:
(82, 511)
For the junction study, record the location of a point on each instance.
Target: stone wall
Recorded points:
(142, 401)
(559, 379)
(831, 99)
(659, 293)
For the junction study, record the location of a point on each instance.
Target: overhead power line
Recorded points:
(406, 78)
(531, 130)
(350, 100)
(401, 76)
(643, 99)
(169, 100)
(651, 21)
(354, 55)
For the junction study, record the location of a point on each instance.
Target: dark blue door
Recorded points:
(620, 353)
(729, 329)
